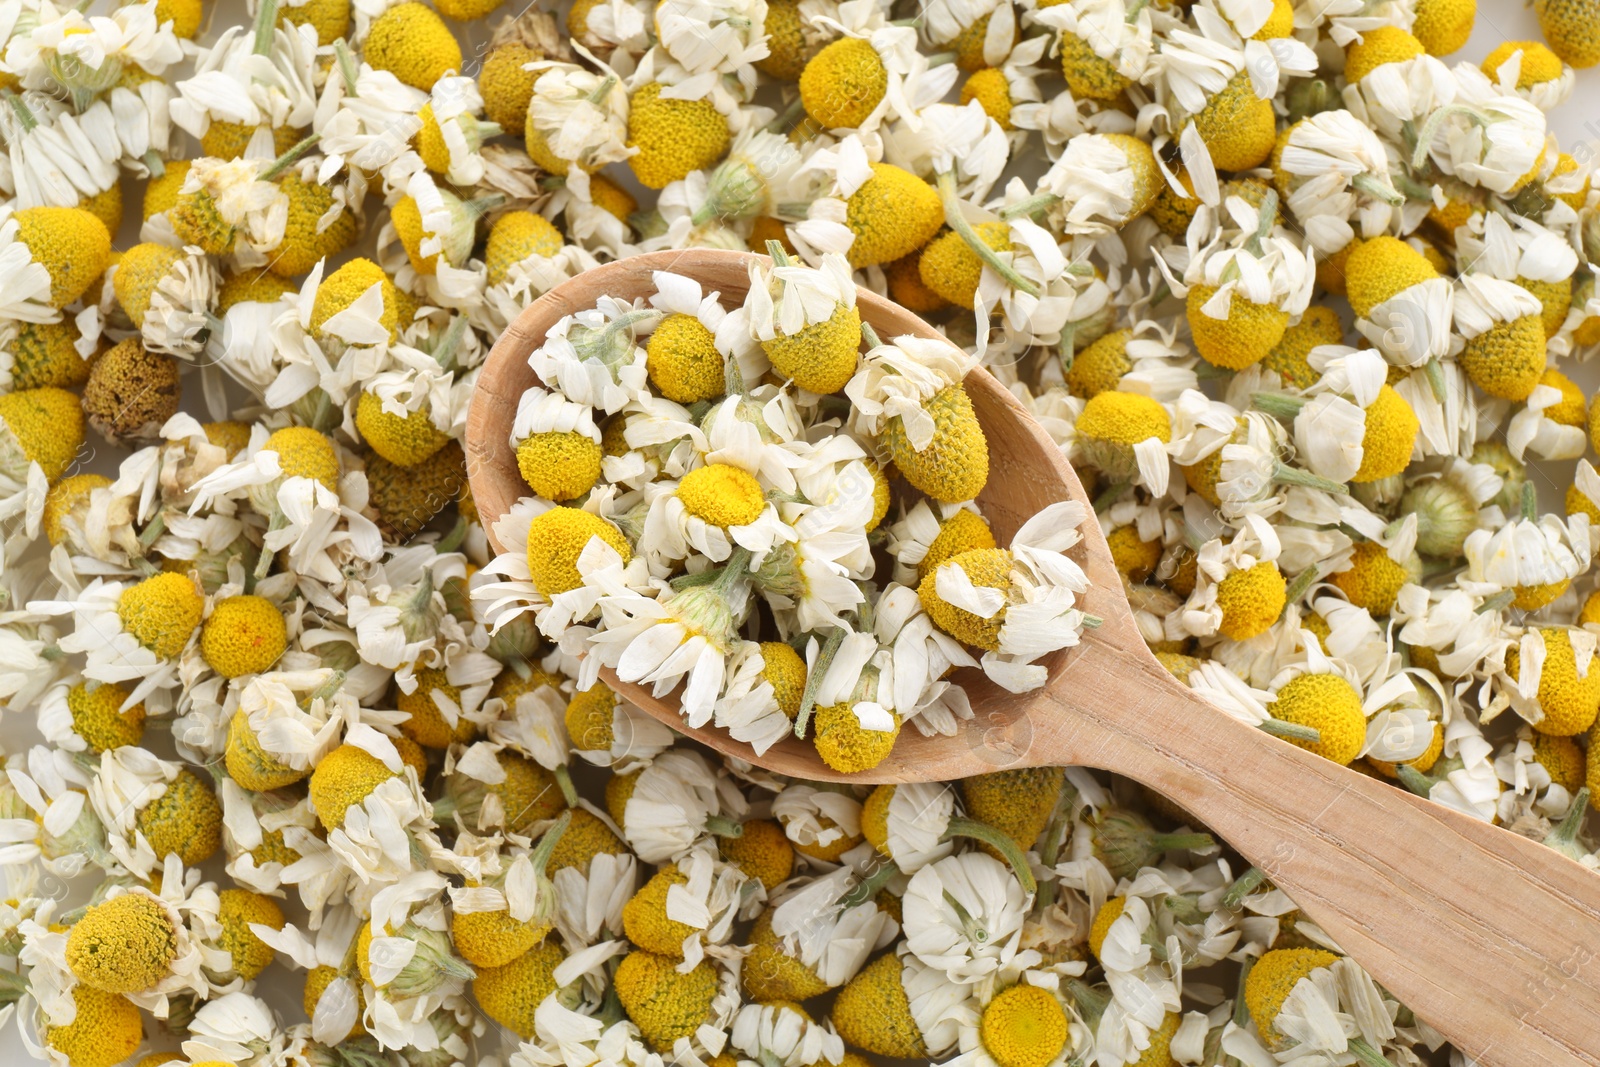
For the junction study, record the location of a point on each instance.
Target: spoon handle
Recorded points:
(1490, 937)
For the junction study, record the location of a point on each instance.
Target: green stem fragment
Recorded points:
(808, 699)
(1302, 582)
(868, 887)
(1413, 189)
(1109, 495)
(1242, 887)
(1563, 837)
(569, 792)
(25, 115)
(1414, 780)
(1030, 207)
(325, 691)
(1290, 731)
(265, 27)
(603, 90)
(12, 986)
(957, 221)
(153, 530)
(998, 840)
(264, 562)
(1278, 405)
(1266, 221)
(1435, 372)
(1284, 474)
(786, 121)
(449, 343)
(1176, 842)
(348, 70)
(540, 856)
(285, 161)
(1368, 1055)
(1499, 602)
(1375, 187)
(723, 826)
(1091, 1001)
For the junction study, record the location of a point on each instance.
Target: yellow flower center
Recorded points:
(1331, 705)
(1271, 981)
(682, 360)
(559, 465)
(1385, 44)
(1251, 600)
(1539, 64)
(161, 612)
(985, 567)
(1390, 435)
(722, 495)
(1382, 268)
(245, 635)
(305, 453)
(1124, 418)
(123, 945)
(1024, 1026)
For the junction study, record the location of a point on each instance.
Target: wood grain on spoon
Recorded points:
(1491, 938)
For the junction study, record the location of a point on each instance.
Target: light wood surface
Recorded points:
(1491, 938)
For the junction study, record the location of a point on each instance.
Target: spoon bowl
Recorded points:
(1492, 938)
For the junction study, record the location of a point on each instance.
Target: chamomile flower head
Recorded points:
(1124, 435)
(1443, 26)
(515, 236)
(1374, 577)
(1536, 558)
(1272, 980)
(98, 717)
(125, 944)
(890, 214)
(1565, 27)
(683, 360)
(1401, 303)
(410, 41)
(963, 916)
(558, 445)
(46, 353)
(40, 426)
(667, 1005)
(1240, 592)
(557, 539)
(1499, 148)
(1105, 46)
(343, 778)
(1529, 69)
(807, 321)
(514, 794)
(898, 1007)
(131, 393)
(406, 437)
(106, 1030)
(72, 245)
(1105, 181)
(1503, 327)
(1447, 506)
(762, 851)
(671, 135)
(167, 293)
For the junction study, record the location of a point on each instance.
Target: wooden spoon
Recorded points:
(1490, 937)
